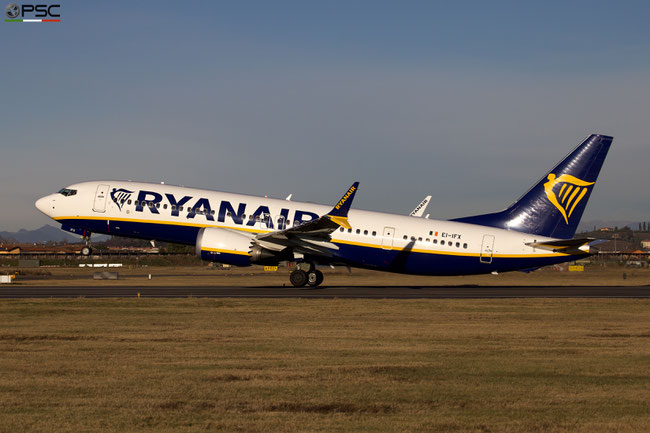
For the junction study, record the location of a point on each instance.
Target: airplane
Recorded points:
(244, 230)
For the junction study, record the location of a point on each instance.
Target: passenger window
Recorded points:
(374, 233)
(129, 202)
(419, 239)
(465, 246)
(229, 214)
(157, 205)
(349, 230)
(165, 206)
(442, 242)
(435, 241)
(212, 212)
(457, 244)
(342, 229)
(428, 240)
(180, 208)
(358, 231)
(405, 237)
(365, 232)
(136, 203)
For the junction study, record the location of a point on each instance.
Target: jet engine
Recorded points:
(228, 246)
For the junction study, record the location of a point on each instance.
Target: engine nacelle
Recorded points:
(227, 246)
(223, 246)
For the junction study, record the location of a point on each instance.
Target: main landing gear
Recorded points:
(313, 277)
(87, 250)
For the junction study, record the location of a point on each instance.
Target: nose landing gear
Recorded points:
(87, 250)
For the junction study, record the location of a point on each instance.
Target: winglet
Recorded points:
(420, 208)
(339, 214)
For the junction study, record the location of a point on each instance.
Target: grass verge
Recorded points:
(540, 365)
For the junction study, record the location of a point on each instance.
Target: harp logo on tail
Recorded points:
(571, 191)
(120, 196)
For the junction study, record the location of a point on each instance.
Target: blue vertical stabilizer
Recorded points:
(554, 206)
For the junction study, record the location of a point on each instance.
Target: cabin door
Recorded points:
(487, 249)
(100, 198)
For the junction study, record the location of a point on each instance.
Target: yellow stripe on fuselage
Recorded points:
(217, 250)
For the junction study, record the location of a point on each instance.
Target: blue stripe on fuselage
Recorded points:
(401, 261)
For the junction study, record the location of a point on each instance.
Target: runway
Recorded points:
(362, 292)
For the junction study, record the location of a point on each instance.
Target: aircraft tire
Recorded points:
(315, 278)
(298, 278)
(86, 251)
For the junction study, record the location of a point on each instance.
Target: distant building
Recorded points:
(605, 229)
(645, 244)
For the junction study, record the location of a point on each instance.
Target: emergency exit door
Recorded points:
(387, 239)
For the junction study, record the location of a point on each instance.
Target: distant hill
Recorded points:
(47, 233)
(587, 226)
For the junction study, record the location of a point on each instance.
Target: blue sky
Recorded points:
(470, 102)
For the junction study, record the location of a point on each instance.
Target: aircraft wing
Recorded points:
(312, 237)
(569, 246)
(420, 208)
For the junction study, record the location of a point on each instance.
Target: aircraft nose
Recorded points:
(44, 204)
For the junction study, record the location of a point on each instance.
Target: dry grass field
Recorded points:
(296, 365)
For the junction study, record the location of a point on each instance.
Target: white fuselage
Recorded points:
(175, 213)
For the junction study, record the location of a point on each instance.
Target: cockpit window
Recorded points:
(68, 192)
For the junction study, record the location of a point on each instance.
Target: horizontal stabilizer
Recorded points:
(563, 246)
